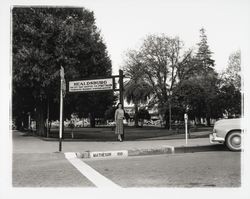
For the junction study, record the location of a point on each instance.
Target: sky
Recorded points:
(124, 24)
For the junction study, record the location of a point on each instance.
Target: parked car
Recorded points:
(228, 132)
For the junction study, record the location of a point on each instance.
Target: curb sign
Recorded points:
(108, 154)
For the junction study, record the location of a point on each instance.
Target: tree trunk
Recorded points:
(208, 121)
(19, 123)
(47, 125)
(40, 118)
(166, 121)
(136, 115)
(22, 121)
(92, 120)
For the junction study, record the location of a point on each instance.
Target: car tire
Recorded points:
(233, 141)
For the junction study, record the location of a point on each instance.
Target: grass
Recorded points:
(131, 133)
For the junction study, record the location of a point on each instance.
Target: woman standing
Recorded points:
(119, 115)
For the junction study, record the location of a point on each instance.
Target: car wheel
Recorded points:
(233, 141)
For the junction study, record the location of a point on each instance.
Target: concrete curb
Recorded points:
(200, 148)
(150, 151)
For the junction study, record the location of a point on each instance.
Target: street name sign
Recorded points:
(91, 85)
(109, 154)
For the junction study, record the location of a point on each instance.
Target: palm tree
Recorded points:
(136, 92)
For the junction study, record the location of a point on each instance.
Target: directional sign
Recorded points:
(91, 85)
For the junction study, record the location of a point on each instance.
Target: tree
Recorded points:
(198, 86)
(232, 73)
(190, 95)
(205, 75)
(143, 114)
(158, 60)
(44, 39)
(230, 100)
(204, 54)
(136, 90)
(110, 113)
(92, 105)
(230, 88)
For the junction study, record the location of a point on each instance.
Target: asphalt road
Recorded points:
(202, 169)
(45, 170)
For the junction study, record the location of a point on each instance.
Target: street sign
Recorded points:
(109, 154)
(91, 85)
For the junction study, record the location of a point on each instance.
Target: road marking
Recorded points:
(95, 177)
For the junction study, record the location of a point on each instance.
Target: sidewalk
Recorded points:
(30, 144)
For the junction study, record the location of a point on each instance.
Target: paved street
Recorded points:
(36, 163)
(46, 170)
(203, 169)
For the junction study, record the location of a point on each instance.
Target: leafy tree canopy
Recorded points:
(232, 74)
(46, 38)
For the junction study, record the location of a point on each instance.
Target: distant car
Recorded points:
(228, 132)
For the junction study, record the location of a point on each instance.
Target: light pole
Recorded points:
(170, 113)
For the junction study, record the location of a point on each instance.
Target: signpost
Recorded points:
(62, 94)
(186, 127)
(121, 94)
(88, 85)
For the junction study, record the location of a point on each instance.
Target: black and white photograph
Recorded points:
(125, 98)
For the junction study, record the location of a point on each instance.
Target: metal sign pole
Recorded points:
(61, 108)
(121, 93)
(61, 122)
(186, 127)
(29, 118)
